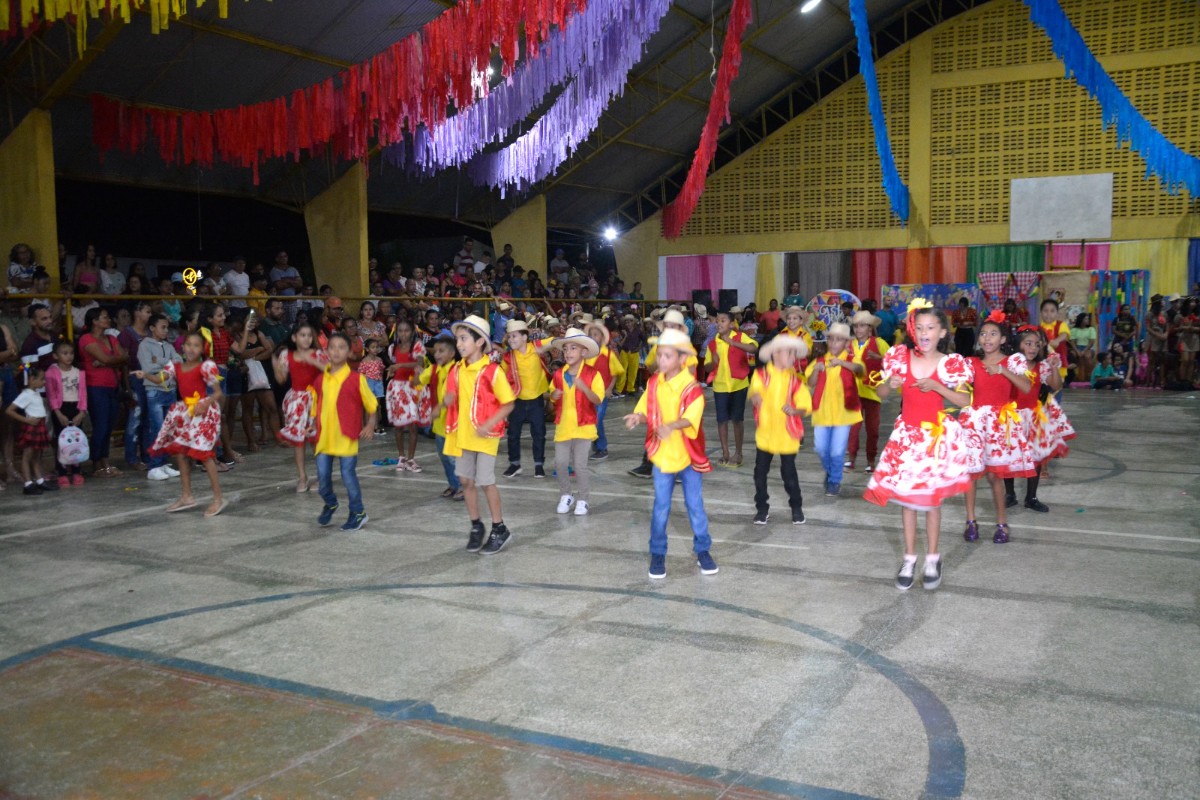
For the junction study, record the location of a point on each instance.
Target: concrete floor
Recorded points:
(256, 655)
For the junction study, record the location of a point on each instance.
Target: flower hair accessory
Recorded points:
(997, 316)
(1028, 329)
(915, 307)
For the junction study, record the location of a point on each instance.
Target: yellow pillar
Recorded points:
(336, 220)
(636, 252)
(525, 230)
(27, 201)
(920, 139)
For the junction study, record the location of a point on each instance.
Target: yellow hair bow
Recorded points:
(191, 402)
(1009, 417)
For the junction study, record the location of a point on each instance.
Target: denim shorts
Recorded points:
(730, 405)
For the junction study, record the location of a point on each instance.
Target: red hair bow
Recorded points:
(1028, 329)
(997, 316)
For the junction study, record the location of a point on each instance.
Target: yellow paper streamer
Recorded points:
(52, 11)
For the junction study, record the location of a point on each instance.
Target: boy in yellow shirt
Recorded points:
(672, 407)
(836, 405)
(526, 371)
(342, 397)
(730, 351)
(669, 320)
(578, 391)
(478, 401)
(610, 368)
(434, 378)
(867, 349)
(779, 398)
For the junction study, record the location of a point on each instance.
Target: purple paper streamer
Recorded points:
(576, 113)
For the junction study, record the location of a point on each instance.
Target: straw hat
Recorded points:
(735, 311)
(865, 317)
(793, 343)
(583, 318)
(504, 305)
(516, 326)
(477, 324)
(678, 308)
(629, 318)
(798, 309)
(604, 312)
(676, 340)
(838, 329)
(674, 317)
(550, 322)
(700, 311)
(598, 326)
(576, 336)
(657, 313)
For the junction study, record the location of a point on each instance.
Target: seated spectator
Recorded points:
(1104, 376)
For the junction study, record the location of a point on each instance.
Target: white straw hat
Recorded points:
(676, 340)
(576, 336)
(478, 325)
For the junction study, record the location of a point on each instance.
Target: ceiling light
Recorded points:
(809, 5)
(491, 71)
(610, 234)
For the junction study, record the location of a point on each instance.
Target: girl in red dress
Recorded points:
(302, 364)
(193, 424)
(1045, 424)
(993, 420)
(927, 457)
(407, 355)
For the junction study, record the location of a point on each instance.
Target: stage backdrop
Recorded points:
(681, 274)
(943, 295)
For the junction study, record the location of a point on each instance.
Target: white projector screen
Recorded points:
(1069, 207)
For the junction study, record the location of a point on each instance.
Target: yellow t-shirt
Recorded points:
(672, 455)
(569, 428)
(443, 372)
(724, 381)
(465, 437)
(259, 306)
(864, 387)
(332, 441)
(690, 364)
(771, 434)
(833, 411)
(532, 373)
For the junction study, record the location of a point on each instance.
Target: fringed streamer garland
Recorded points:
(1173, 166)
(893, 185)
(679, 211)
(460, 137)
(576, 112)
(36, 13)
(408, 84)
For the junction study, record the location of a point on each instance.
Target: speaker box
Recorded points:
(728, 298)
(702, 296)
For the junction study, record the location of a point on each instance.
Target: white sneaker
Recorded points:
(171, 471)
(564, 504)
(581, 508)
(157, 474)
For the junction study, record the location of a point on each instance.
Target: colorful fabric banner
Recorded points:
(687, 273)
(768, 280)
(942, 295)
(1111, 290)
(1005, 258)
(1065, 255)
(1165, 259)
(876, 268)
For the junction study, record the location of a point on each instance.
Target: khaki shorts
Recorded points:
(475, 466)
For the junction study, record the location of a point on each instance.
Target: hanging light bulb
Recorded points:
(809, 5)
(610, 234)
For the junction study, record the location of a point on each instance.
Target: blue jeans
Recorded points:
(447, 464)
(601, 439)
(664, 487)
(830, 443)
(103, 407)
(349, 466)
(157, 404)
(136, 426)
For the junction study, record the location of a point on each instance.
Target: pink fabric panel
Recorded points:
(1095, 256)
(874, 268)
(687, 273)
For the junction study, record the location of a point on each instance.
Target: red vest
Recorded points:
(585, 412)
(484, 403)
(603, 366)
(739, 360)
(872, 358)
(849, 389)
(349, 406)
(695, 447)
(514, 374)
(794, 425)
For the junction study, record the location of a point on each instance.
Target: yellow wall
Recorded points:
(636, 252)
(27, 201)
(337, 233)
(970, 105)
(525, 230)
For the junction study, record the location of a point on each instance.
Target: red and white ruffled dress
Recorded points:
(404, 399)
(299, 425)
(1057, 430)
(994, 419)
(181, 432)
(928, 457)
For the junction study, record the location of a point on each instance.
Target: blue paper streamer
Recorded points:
(893, 184)
(1171, 165)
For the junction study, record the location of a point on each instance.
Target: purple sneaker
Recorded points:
(971, 534)
(1001, 534)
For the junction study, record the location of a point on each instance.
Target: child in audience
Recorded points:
(833, 380)
(577, 392)
(407, 356)
(780, 399)
(867, 349)
(193, 424)
(1103, 374)
(66, 394)
(30, 410)
(371, 368)
(478, 400)
(672, 408)
(928, 457)
(301, 364)
(342, 397)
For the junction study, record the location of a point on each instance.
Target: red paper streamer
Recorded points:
(413, 82)
(677, 213)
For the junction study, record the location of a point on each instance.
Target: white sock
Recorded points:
(910, 560)
(932, 558)
(29, 483)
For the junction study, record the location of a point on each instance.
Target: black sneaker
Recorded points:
(904, 578)
(355, 522)
(326, 515)
(658, 567)
(833, 489)
(499, 538)
(644, 471)
(539, 471)
(32, 489)
(599, 455)
(513, 471)
(798, 517)
(932, 576)
(1010, 500)
(476, 539)
(1033, 504)
(706, 564)
(52, 486)
(761, 518)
